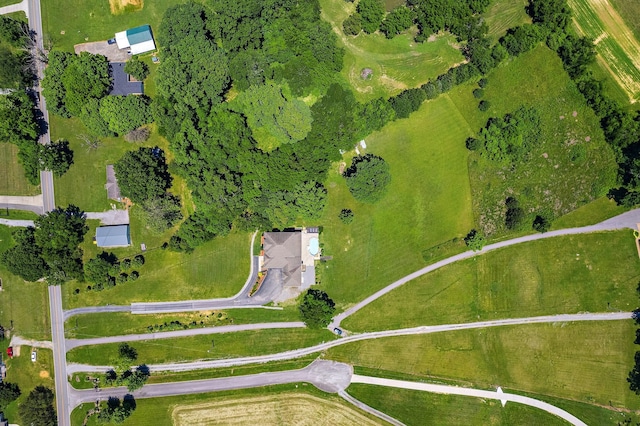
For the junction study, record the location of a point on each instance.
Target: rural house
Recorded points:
(291, 256)
(113, 236)
(138, 40)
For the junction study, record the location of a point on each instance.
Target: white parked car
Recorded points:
(33, 356)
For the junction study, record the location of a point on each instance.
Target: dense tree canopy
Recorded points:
(125, 113)
(25, 258)
(510, 138)
(316, 309)
(367, 178)
(37, 409)
(136, 68)
(9, 392)
(398, 20)
(56, 157)
(143, 174)
(371, 12)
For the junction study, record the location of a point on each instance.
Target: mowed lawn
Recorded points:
(118, 323)
(427, 202)
(562, 275)
(618, 48)
(571, 164)
(397, 64)
(79, 21)
(504, 14)
(585, 361)
(424, 408)
(218, 268)
(213, 346)
(12, 179)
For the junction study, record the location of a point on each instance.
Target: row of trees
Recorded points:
(105, 270)
(123, 373)
(16, 63)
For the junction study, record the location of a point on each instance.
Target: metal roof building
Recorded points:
(113, 236)
(138, 39)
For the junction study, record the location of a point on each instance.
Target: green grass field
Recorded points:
(17, 214)
(561, 275)
(79, 21)
(618, 49)
(420, 408)
(587, 362)
(427, 158)
(158, 411)
(630, 12)
(504, 14)
(572, 164)
(589, 214)
(8, 2)
(117, 324)
(12, 179)
(394, 62)
(218, 268)
(226, 345)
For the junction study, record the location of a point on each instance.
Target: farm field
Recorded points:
(117, 324)
(420, 408)
(546, 359)
(225, 345)
(12, 179)
(160, 411)
(504, 14)
(561, 275)
(218, 268)
(630, 12)
(427, 158)
(571, 166)
(394, 62)
(618, 49)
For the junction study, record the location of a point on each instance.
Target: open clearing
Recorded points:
(562, 275)
(618, 49)
(192, 348)
(569, 167)
(587, 362)
(291, 408)
(394, 62)
(421, 208)
(12, 179)
(119, 6)
(504, 14)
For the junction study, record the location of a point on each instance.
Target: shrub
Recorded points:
(125, 264)
(138, 261)
(134, 275)
(483, 82)
(484, 106)
(346, 216)
(122, 278)
(473, 144)
(478, 93)
(541, 223)
(474, 240)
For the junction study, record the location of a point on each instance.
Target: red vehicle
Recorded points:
(10, 351)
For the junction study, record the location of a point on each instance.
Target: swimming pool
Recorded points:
(314, 246)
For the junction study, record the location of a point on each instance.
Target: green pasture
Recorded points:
(218, 268)
(158, 411)
(427, 202)
(594, 212)
(397, 64)
(8, 2)
(79, 21)
(630, 12)
(118, 323)
(420, 408)
(504, 14)
(214, 346)
(562, 275)
(583, 361)
(617, 47)
(572, 164)
(12, 179)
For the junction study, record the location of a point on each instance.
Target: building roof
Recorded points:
(113, 190)
(122, 84)
(282, 250)
(113, 236)
(139, 39)
(139, 34)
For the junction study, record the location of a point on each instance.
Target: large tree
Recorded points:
(125, 113)
(368, 177)
(56, 157)
(143, 174)
(371, 12)
(316, 309)
(17, 118)
(25, 258)
(37, 409)
(9, 392)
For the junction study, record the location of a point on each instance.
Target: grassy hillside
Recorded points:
(427, 202)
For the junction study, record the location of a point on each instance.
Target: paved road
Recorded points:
(329, 376)
(626, 220)
(22, 202)
(297, 353)
(74, 343)
(21, 341)
(16, 223)
(59, 356)
(454, 390)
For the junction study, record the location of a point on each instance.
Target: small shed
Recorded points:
(113, 236)
(113, 190)
(138, 39)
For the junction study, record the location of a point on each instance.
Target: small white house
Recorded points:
(138, 39)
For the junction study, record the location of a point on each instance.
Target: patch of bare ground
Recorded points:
(119, 6)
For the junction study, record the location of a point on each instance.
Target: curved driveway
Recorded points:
(297, 353)
(454, 390)
(629, 220)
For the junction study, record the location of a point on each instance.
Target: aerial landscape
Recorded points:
(319, 212)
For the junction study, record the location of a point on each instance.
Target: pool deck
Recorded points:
(307, 258)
